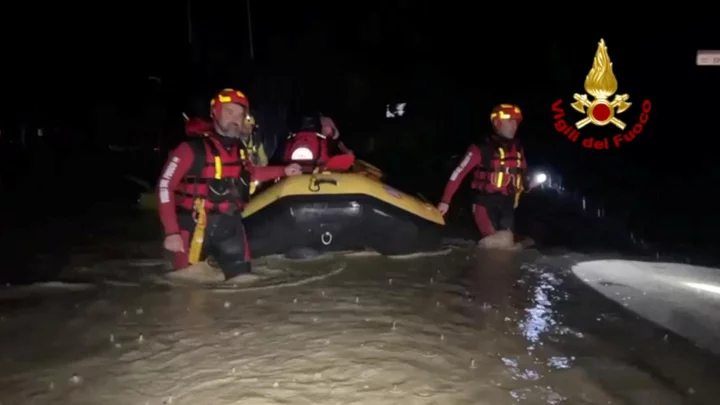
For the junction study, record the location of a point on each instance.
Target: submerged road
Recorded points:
(465, 328)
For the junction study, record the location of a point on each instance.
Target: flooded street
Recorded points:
(464, 328)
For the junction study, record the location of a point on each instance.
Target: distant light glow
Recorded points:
(704, 287)
(397, 110)
(540, 177)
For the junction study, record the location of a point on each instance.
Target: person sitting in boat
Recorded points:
(315, 141)
(330, 131)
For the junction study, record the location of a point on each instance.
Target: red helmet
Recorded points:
(227, 96)
(506, 112)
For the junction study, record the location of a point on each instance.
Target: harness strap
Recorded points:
(198, 236)
(497, 174)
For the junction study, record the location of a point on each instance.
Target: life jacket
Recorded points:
(218, 177)
(501, 170)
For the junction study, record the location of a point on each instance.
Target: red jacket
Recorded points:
(178, 167)
(497, 170)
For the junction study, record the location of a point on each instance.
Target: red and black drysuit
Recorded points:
(191, 174)
(498, 168)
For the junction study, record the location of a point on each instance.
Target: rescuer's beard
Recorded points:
(231, 130)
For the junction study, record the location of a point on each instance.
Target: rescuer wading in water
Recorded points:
(203, 189)
(498, 165)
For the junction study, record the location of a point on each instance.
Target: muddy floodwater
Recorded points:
(463, 328)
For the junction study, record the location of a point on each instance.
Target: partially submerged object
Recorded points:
(338, 204)
(334, 210)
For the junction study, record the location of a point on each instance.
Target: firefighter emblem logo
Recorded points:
(601, 106)
(601, 84)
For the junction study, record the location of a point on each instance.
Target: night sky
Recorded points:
(451, 62)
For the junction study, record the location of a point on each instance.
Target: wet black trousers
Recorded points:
(225, 241)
